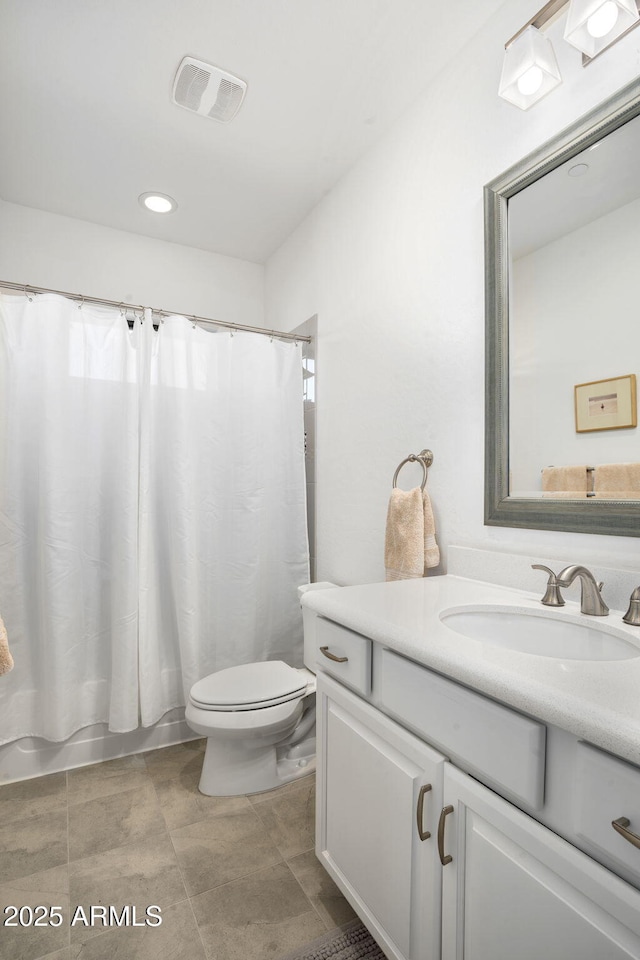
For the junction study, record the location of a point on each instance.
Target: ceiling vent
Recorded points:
(207, 90)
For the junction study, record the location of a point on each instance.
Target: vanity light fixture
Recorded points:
(530, 69)
(593, 25)
(157, 202)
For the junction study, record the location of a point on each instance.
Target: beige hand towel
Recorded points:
(431, 549)
(617, 481)
(6, 660)
(404, 543)
(565, 479)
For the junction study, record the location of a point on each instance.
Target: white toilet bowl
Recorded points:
(259, 721)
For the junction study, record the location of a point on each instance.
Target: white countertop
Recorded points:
(595, 700)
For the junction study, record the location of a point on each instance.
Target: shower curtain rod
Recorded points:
(26, 288)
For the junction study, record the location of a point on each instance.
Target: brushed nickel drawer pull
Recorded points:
(332, 656)
(621, 826)
(423, 834)
(443, 816)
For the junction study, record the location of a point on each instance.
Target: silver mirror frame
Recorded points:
(617, 518)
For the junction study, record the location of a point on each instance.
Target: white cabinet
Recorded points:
(379, 798)
(514, 889)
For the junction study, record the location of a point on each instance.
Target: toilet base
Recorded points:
(233, 768)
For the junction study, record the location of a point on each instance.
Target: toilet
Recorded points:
(259, 720)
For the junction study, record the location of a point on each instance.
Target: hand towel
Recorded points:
(404, 543)
(617, 481)
(6, 660)
(565, 479)
(431, 549)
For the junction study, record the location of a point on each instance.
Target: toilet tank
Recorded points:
(309, 618)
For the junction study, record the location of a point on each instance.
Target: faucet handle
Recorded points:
(552, 597)
(632, 615)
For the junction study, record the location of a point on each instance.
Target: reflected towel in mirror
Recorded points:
(565, 482)
(617, 481)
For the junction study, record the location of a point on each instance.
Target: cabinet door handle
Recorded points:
(621, 826)
(332, 656)
(443, 816)
(423, 834)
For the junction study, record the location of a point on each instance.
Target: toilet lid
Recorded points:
(249, 686)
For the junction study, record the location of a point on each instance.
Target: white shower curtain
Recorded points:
(68, 517)
(152, 511)
(223, 515)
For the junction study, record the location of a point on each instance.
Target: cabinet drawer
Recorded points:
(344, 654)
(605, 790)
(500, 747)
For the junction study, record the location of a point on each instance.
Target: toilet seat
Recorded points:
(249, 686)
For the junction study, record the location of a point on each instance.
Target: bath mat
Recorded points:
(351, 942)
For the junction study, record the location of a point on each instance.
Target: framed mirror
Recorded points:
(562, 254)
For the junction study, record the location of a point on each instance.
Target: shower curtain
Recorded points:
(152, 511)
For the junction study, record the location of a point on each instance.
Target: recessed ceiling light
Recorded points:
(578, 170)
(157, 202)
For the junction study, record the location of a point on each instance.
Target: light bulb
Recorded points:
(530, 81)
(157, 202)
(603, 20)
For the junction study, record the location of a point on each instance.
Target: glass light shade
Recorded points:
(530, 69)
(593, 24)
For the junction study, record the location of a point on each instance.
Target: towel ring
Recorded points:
(424, 458)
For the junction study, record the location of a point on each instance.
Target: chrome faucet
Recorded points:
(591, 601)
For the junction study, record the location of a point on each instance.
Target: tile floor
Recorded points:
(235, 878)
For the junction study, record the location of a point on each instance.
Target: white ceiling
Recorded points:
(88, 123)
(559, 203)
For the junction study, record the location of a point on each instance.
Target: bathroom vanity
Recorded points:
(467, 789)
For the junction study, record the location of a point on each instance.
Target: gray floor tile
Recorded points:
(138, 874)
(49, 888)
(176, 938)
(321, 890)
(226, 853)
(32, 798)
(182, 803)
(221, 848)
(113, 821)
(30, 846)
(284, 789)
(289, 818)
(104, 779)
(168, 763)
(260, 917)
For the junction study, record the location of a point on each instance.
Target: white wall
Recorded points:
(391, 261)
(574, 313)
(48, 250)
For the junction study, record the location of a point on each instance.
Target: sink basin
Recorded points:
(540, 633)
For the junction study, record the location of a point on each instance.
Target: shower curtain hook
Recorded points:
(81, 304)
(26, 293)
(193, 319)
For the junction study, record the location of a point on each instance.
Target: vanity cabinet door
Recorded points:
(379, 797)
(515, 889)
